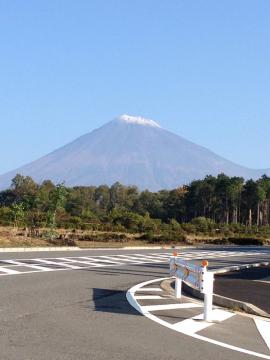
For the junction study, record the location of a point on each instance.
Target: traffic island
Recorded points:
(240, 290)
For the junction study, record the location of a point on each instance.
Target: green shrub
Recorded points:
(203, 224)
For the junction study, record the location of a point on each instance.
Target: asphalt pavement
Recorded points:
(249, 285)
(73, 306)
(228, 329)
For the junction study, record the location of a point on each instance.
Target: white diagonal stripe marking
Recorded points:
(8, 271)
(149, 289)
(148, 297)
(169, 307)
(101, 260)
(196, 324)
(32, 266)
(60, 264)
(264, 329)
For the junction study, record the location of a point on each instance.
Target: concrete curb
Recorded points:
(239, 267)
(157, 247)
(167, 285)
(165, 247)
(71, 248)
(32, 249)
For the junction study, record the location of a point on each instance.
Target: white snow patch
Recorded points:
(138, 120)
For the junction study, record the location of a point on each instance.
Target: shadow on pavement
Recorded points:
(112, 301)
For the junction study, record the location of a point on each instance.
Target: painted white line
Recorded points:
(230, 347)
(9, 265)
(129, 258)
(191, 326)
(194, 325)
(153, 308)
(264, 329)
(149, 257)
(69, 260)
(148, 297)
(111, 258)
(221, 315)
(100, 261)
(169, 254)
(162, 256)
(32, 266)
(149, 289)
(130, 293)
(9, 271)
(60, 264)
(143, 310)
(66, 263)
(91, 263)
(187, 257)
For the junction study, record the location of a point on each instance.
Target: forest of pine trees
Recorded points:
(208, 204)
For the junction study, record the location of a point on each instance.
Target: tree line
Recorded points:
(217, 200)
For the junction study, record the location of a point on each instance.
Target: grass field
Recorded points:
(12, 237)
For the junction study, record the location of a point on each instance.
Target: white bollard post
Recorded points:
(208, 296)
(178, 288)
(208, 305)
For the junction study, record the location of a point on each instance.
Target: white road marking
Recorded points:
(101, 260)
(32, 266)
(59, 264)
(97, 261)
(67, 262)
(144, 310)
(162, 255)
(221, 315)
(148, 297)
(264, 329)
(150, 289)
(150, 257)
(153, 308)
(194, 325)
(9, 271)
(231, 347)
(191, 326)
(112, 259)
(130, 258)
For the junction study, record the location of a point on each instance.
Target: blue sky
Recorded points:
(199, 68)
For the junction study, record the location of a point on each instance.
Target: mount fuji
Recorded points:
(134, 151)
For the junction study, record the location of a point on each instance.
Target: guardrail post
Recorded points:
(178, 288)
(208, 304)
(198, 277)
(208, 295)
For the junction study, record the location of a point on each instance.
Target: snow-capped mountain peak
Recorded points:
(133, 151)
(137, 120)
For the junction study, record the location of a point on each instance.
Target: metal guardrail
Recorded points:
(195, 275)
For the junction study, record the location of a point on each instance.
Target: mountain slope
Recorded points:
(131, 150)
